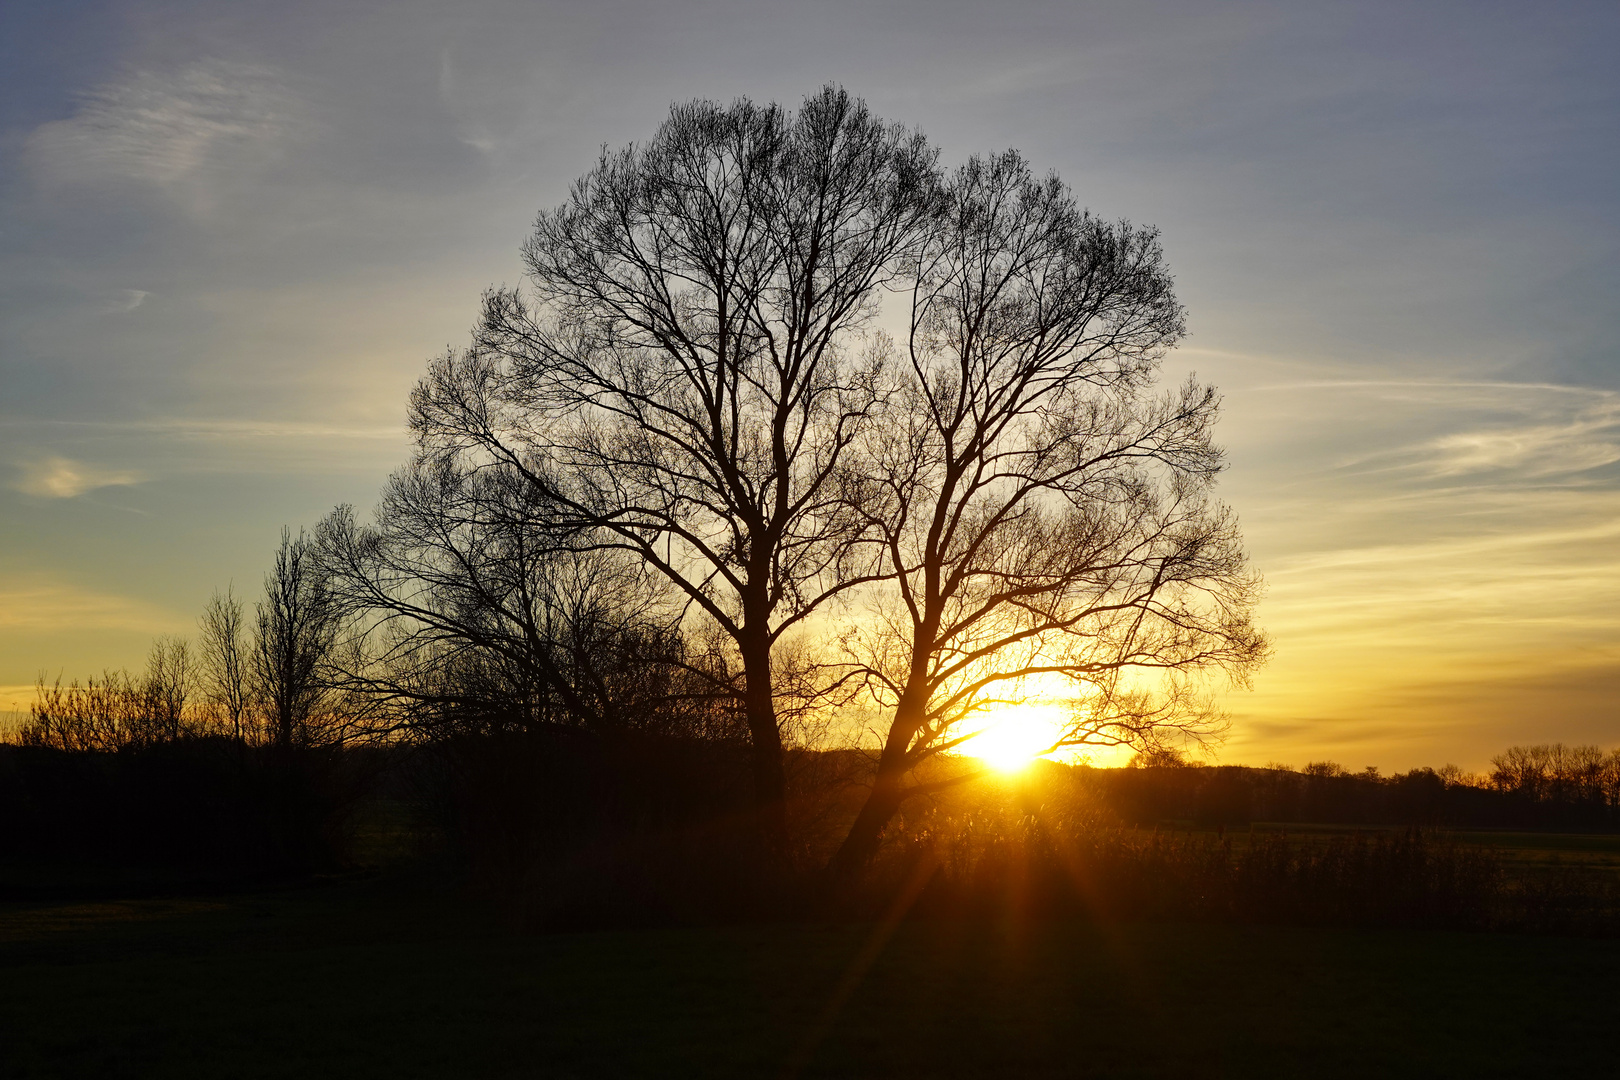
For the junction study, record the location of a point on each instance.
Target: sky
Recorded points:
(232, 234)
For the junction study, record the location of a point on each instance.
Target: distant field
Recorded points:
(1600, 851)
(357, 979)
(1596, 851)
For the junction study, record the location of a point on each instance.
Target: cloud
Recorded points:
(167, 129)
(257, 433)
(124, 301)
(469, 131)
(58, 460)
(1428, 533)
(58, 477)
(1465, 715)
(1531, 431)
(1585, 438)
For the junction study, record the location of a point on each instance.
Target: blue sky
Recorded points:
(232, 234)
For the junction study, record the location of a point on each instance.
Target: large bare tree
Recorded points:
(1042, 511)
(688, 368)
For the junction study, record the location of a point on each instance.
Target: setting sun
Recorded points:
(1015, 736)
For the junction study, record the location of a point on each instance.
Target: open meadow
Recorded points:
(345, 980)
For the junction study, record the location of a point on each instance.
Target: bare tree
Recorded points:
(293, 642)
(687, 370)
(167, 687)
(477, 608)
(225, 660)
(1042, 513)
(120, 710)
(105, 715)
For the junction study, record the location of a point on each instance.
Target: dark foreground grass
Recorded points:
(362, 979)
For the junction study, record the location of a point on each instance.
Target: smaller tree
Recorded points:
(119, 710)
(475, 608)
(225, 660)
(104, 715)
(294, 638)
(170, 679)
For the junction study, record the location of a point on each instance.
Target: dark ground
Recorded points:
(361, 977)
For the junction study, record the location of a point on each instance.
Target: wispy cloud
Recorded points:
(210, 428)
(168, 128)
(469, 130)
(1587, 437)
(124, 301)
(1418, 532)
(1492, 432)
(80, 452)
(56, 477)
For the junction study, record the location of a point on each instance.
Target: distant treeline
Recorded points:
(625, 792)
(1549, 786)
(225, 695)
(233, 759)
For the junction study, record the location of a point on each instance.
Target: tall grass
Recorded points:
(1043, 865)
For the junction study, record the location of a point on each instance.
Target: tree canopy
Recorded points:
(817, 425)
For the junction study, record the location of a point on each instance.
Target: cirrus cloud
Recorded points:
(56, 477)
(124, 301)
(169, 129)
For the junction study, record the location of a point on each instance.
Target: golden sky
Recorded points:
(231, 235)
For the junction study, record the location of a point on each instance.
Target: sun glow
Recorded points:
(1013, 737)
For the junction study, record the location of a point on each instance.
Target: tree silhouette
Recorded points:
(294, 636)
(225, 660)
(479, 611)
(691, 381)
(1040, 511)
(687, 369)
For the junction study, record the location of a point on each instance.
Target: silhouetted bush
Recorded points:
(567, 826)
(564, 825)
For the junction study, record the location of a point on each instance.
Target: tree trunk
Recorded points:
(861, 842)
(770, 774)
(882, 803)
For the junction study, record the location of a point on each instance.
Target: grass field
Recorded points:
(1515, 850)
(364, 978)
